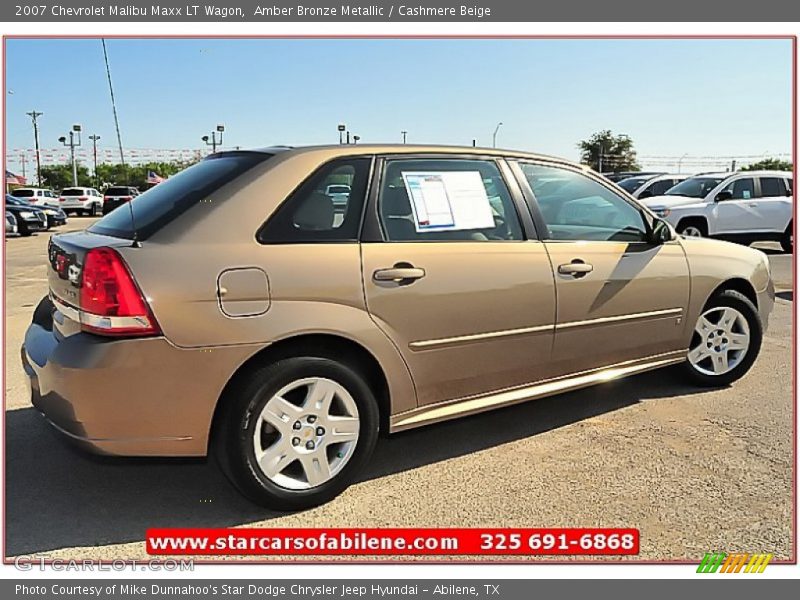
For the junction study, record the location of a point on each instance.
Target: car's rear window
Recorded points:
(73, 192)
(163, 203)
(118, 191)
(22, 193)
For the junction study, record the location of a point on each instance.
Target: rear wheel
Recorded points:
(95, 210)
(296, 433)
(787, 241)
(726, 340)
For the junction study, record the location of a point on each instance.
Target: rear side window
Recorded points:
(659, 187)
(772, 187)
(327, 207)
(442, 200)
(168, 200)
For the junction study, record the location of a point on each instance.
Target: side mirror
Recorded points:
(660, 233)
(723, 195)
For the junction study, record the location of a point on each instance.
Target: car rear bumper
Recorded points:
(109, 205)
(132, 397)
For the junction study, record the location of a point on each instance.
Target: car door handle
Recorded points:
(575, 268)
(398, 273)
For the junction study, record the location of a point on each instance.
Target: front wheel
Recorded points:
(95, 210)
(296, 433)
(692, 229)
(726, 340)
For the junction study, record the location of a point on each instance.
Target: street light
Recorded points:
(212, 140)
(404, 136)
(680, 161)
(75, 132)
(494, 135)
(94, 139)
(356, 138)
(341, 128)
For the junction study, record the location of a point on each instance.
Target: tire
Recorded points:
(693, 228)
(787, 241)
(295, 480)
(715, 333)
(23, 229)
(95, 210)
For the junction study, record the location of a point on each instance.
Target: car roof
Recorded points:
(337, 150)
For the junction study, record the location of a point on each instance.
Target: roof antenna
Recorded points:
(135, 243)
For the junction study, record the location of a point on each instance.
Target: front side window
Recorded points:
(741, 189)
(327, 207)
(575, 207)
(439, 200)
(660, 187)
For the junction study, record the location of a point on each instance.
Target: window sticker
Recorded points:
(448, 200)
(746, 194)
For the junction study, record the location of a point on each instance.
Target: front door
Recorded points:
(465, 295)
(619, 297)
(739, 213)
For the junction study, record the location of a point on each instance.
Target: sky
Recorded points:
(673, 97)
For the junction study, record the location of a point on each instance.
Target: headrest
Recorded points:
(315, 213)
(395, 202)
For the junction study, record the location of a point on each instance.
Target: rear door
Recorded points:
(454, 275)
(775, 203)
(619, 297)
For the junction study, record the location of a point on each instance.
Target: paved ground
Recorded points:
(695, 471)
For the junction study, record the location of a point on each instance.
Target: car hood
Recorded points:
(669, 201)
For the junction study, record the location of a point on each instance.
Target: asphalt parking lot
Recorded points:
(695, 471)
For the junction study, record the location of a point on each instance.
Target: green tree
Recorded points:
(58, 177)
(769, 164)
(606, 152)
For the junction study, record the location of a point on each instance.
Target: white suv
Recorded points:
(37, 196)
(747, 206)
(81, 200)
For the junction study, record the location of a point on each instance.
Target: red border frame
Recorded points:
(411, 560)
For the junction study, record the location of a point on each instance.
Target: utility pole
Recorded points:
(404, 136)
(75, 132)
(94, 139)
(34, 116)
(24, 160)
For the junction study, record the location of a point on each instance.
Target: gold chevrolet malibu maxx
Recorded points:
(281, 307)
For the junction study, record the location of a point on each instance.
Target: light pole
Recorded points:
(404, 133)
(356, 138)
(94, 139)
(35, 115)
(494, 135)
(342, 127)
(75, 132)
(680, 161)
(214, 142)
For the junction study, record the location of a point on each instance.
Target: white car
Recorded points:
(747, 206)
(340, 194)
(81, 200)
(36, 196)
(650, 185)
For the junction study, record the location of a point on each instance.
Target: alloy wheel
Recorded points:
(720, 341)
(306, 433)
(692, 231)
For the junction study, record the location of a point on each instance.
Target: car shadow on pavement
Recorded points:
(58, 497)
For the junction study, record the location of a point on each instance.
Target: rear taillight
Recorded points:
(126, 198)
(61, 199)
(83, 198)
(110, 301)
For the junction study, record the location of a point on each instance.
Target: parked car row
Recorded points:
(745, 206)
(27, 219)
(78, 200)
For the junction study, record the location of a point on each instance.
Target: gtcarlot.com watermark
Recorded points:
(43, 562)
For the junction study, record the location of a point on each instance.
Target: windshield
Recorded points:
(15, 201)
(165, 202)
(22, 193)
(695, 187)
(632, 184)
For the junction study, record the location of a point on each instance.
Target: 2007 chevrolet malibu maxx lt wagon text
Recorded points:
(240, 308)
